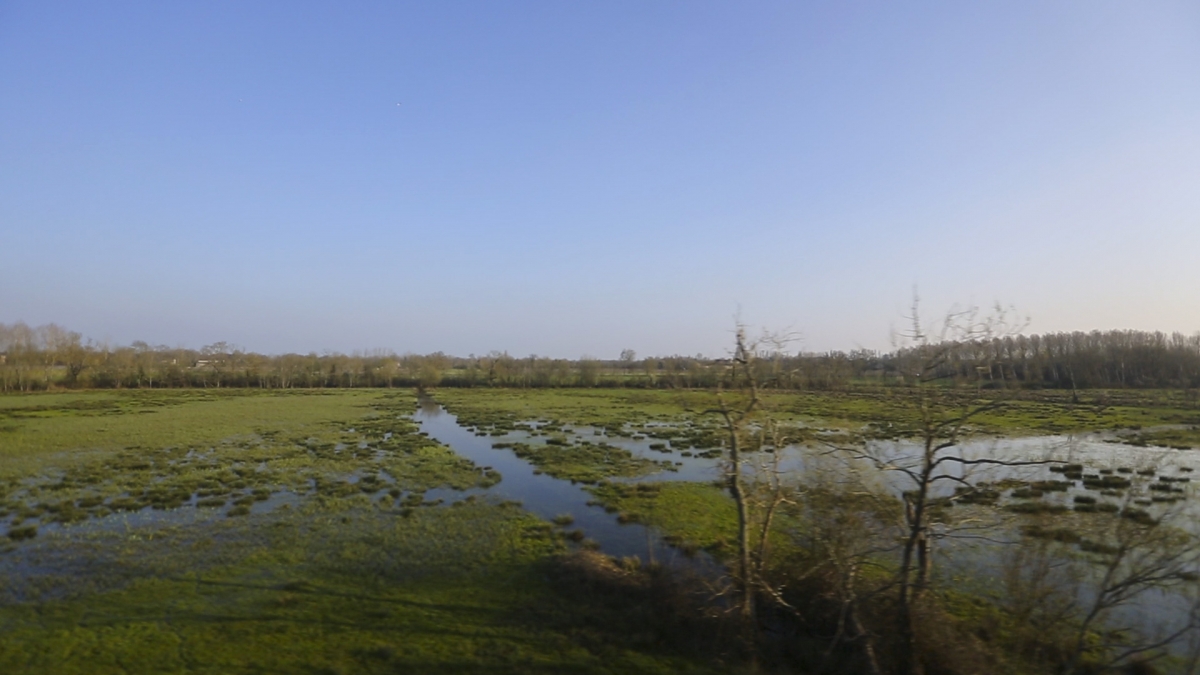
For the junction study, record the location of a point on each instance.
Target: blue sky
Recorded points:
(571, 178)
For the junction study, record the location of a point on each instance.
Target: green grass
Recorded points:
(1027, 412)
(691, 514)
(68, 463)
(65, 429)
(336, 590)
(585, 462)
(605, 408)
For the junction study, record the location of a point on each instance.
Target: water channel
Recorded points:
(549, 497)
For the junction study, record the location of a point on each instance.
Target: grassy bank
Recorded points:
(691, 515)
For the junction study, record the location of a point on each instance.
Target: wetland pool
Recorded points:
(550, 497)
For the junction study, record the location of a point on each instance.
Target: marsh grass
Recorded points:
(73, 459)
(335, 588)
(837, 416)
(694, 515)
(586, 462)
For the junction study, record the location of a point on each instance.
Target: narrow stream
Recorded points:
(549, 497)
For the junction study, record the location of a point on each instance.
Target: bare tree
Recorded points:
(944, 370)
(750, 431)
(736, 415)
(845, 525)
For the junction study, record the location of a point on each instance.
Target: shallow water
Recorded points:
(548, 497)
(1093, 451)
(976, 559)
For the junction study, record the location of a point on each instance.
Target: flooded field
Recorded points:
(292, 533)
(199, 529)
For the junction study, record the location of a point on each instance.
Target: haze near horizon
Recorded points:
(568, 179)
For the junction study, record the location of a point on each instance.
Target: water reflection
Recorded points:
(548, 497)
(976, 557)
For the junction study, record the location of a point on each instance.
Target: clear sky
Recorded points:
(570, 178)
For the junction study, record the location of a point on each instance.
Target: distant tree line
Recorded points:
(47, 357)
(1099, 359)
